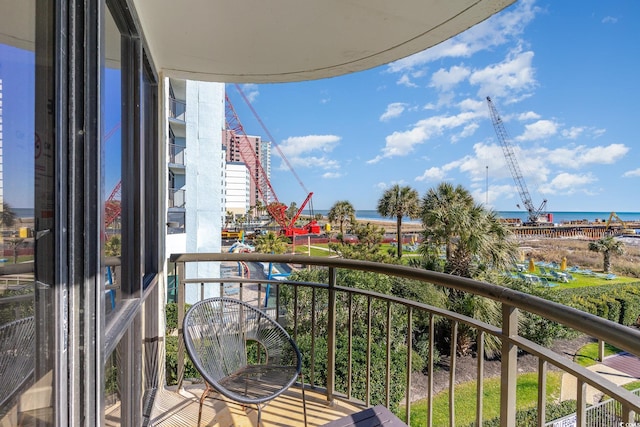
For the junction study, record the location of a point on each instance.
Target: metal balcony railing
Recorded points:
(177, 154)
(177, 109)
(330, 321)
(177, 198)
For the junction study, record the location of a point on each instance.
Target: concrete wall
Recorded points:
(204, 178)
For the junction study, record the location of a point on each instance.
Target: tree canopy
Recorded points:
(342, 213)
(398, 202)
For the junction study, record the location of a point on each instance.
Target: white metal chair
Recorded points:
(216, 333)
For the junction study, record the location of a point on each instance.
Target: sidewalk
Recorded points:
(620, 369)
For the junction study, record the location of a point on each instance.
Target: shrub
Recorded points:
(529, 417)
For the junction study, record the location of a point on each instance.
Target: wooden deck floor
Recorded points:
(174, 409)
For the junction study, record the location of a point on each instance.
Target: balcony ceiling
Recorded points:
(291, 40)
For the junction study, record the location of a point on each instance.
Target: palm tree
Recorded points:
(7, 216)
(444, 212)
(607, 246)
(399, 202)
(342, 212)
(271, 243)
(476, 242)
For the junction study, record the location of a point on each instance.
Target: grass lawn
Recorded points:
(583, 280)
(465, 400)
(303, 249)
(588, 354)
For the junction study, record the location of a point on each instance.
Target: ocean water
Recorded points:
(558, 217)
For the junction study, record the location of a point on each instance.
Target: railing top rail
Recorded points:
(21, 268)
(618, 335)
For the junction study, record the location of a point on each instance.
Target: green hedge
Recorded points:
(619, 303)
(529, 417)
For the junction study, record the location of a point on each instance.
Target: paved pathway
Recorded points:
(620, 369)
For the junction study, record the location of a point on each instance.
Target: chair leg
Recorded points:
(206, 392)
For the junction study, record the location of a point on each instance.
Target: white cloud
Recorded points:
(573, 133)
(495, 31)
(394, 110)
(298, 151)
(539, 130)
(332, 175)
(512, 77)
(251, 91)
(529, 115)
(609, 20)
(632, 173)
(566, 183)
(404, 80)
(296, 145)
(446, 79)
(581, 156)
(402, 143)
(432, 174)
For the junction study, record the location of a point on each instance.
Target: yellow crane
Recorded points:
(623, 229)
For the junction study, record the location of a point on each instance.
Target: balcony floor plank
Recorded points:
(174, 409)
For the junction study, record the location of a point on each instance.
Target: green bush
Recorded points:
(617, 302)
(171, 347)
(171, 362)
(529, 417)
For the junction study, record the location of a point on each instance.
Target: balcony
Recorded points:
(354, 342)
(177, 198)
(177, 155)
(177, 109)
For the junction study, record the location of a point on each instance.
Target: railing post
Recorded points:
(600, 350)
(509, 370)
(331, 334)
(181, 290)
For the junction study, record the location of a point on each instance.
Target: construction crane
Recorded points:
(276, 209)
(624, 230)
(113, 205)
(535, 215)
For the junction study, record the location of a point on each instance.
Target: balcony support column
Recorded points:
(509, 364)
(331, 335)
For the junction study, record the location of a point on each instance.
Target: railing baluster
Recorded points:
(409, 361)
(201, 291)
(181, 291)
(368, 379)
(581, 403)
(331, 335)
(542, 392)
(480, 379)
(452, 373)
(295, 313)
(312, 374)
(509, 366)
(387, 385)
(627, 414)
(350, 350)
(430, 372)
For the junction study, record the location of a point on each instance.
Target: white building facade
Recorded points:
(237, 188)
(196, 173)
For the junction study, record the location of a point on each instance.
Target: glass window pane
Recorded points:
(20, 401)
(112, 142)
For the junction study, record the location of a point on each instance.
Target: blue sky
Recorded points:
(564, 77)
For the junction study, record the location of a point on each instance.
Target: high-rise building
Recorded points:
(258, 163)
(237, 189)
(196, 172)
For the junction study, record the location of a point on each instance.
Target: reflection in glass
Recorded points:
(19, 146)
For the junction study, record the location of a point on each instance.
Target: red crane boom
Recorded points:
(276, 209)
